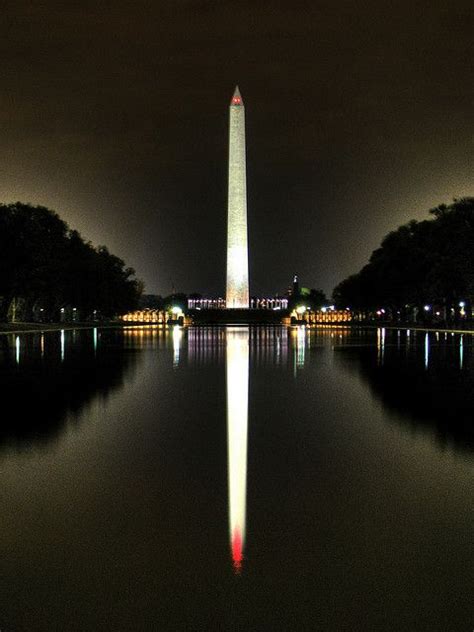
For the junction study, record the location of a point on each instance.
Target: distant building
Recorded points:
(295, 290)
(206, 303)
(326, 315)
(273, 302)
(276, 302)
(145, 316)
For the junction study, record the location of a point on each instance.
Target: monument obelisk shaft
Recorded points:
(237, 289)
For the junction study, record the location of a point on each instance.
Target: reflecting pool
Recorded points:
(237, 478)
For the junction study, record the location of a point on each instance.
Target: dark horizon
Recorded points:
(358, 120)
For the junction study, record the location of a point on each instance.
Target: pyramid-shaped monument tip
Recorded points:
(237, 97)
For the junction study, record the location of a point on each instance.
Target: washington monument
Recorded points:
(237, 289)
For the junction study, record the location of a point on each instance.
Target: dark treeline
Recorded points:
(423, 271)
(49, 273)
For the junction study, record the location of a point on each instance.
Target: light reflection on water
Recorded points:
(237, 364)
(177, 336)
(168, 443)
(427, 350)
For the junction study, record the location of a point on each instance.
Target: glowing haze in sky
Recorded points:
(116, 115)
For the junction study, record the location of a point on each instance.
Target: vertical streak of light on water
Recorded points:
(293, 347)
(177, 333)
(42, 345)
(300, 346)
(62, 345)
(427, 350)
(461, 351)
(237, 365)
(17, 349)
(381, 345)
(95, 340)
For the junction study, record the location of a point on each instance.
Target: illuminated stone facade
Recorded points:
(237, 287)
(145, 316)
(326, 315)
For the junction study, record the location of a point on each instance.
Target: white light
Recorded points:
(381, 344)
(427, 350)
(300, 346)
(177, 311)
(177, 334)
(237, 423)
(427, 308)
(301, 309)
(462, 304)
(237, 278)
(237, 286)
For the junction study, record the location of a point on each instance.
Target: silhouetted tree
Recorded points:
(420, 264)
(176, 300)
(315, 299)
(45, 267)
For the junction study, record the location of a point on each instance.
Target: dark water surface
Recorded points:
(236, 479)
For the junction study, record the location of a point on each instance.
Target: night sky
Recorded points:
(115, 114)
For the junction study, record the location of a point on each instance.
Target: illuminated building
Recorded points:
(327, 315)
(273, 303)
(237, 288)
(145, 316)
(206, 303)
(295, 289)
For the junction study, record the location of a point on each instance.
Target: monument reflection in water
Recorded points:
(237, 364)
